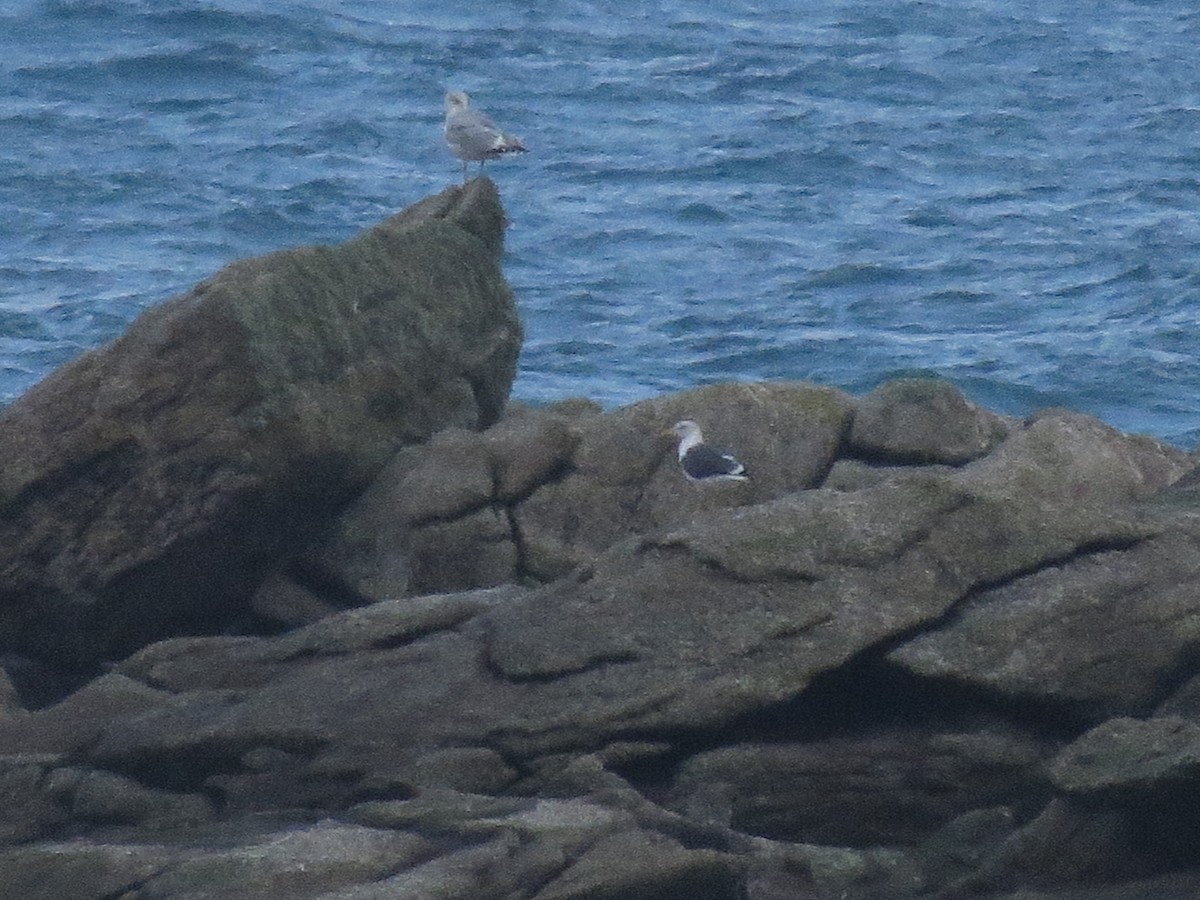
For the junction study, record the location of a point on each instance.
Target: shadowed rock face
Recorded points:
(926, 652)
(149, 484)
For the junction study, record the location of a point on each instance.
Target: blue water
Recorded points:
(1001, 193)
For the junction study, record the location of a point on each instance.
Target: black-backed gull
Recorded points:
(700, 462)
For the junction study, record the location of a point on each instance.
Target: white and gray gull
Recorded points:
(700, 462)
(472, 136)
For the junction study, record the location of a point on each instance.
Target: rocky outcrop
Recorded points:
(543, 492)
(916, 684)
(149, 485)
(926, 652)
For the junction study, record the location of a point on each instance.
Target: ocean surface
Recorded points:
(1001, 193)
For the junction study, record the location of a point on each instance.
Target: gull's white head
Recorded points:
(688, 432)
(457, 101)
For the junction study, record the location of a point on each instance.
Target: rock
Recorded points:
(304, 862)
(285, 602)
(440, 517)
(28, 812)
(389, 623)
(476, 551)
(926, 425)
(733, 613)
(641, 867)
(855, 474)
(573, 847)
(460, 813)
(745, 606)
(79, 870)
(1061, 847)
(216, 664)
(1184, 701)
(491, 871)
(923, 421)
(957, 849)
(1130, 792)
(78, 720)
(1180, 886)
(1132, 760)
(542, 491)
(36, 683)
(150, 485)
(247, 863)
(1093, 634)
(105, 797)
(476, 770)
(206, 663)
(530, 659)
(1191, 478)
(879, 790)
(10, 700)
(623, 478)
(1079, 460)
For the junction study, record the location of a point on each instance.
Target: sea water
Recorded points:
(1003, 194)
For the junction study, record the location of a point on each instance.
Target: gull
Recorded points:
(700, 462)
(472, 136)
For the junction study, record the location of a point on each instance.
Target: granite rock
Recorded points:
(150, 485)
(925, 652)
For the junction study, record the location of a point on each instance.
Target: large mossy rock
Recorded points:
(147, 486)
